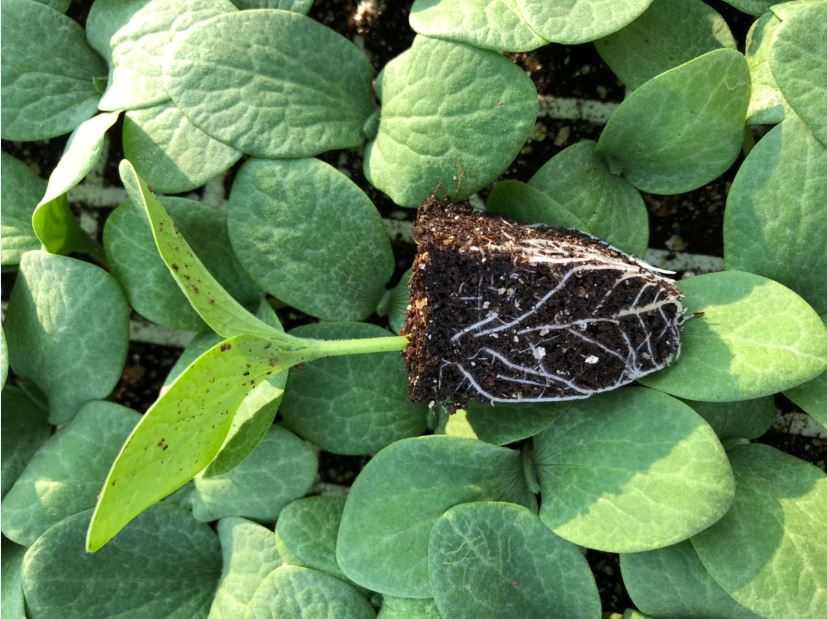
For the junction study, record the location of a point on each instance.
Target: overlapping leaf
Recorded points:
(683, 128)
(65, 475)
(668, 34)
(521, 202)
(301, 593)
(239, 78)
(579, 21)
(797, 62)
(777, 519)
(497, 560)
(310, 237)
(170, 153)
(453, 118)
(631, 470)
(281, 468)
(775, 224)
(170, 561)
(491, 24)
(352, 404)
(135, 38)
(24, 430)
(151, 289)
(249, 555)
(306, 533)
(45, 51)
(748, 337)
(52, 340)
(395, 500)
(21, 191)
(672, 582)
(581, 182)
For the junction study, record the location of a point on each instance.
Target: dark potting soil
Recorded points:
(501, 311)
(147, 366)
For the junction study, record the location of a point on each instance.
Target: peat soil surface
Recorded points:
(690, 222)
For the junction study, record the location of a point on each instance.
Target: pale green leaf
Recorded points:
(250, 425)
(579, 180)
(4, 359)
(503, 423)
(766, 104)
(453, 118)
(524, 203)
(775, 223)
(671, 582)
(812, 395)
(13, 606)
(197, 346)
(222, 313)
(44, 51)
(353, 404)
(272, 83)
(52, 223)
(497, 560)
(52, 339)
(631, 470)
(24, 430)
(579, 21)
(745, 419)
(82, 152)
(491, 24)
(281, 468)
(306, 533)
(683, 128)
(310, 237)
(797, 62)
(183, 431)
(383, 536)
(299, 6)
(20, 193)
(747, 337)
(65, 475)
(293, 592)
(166, 564)
(407, 608)
(60, 233)
(170, 153)
(250, 554)
(256, 413)
(139, 40)
(770, 550)
(149, 286)
(394, 304)
(668, 34)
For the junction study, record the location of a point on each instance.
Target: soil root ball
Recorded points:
(505, 312)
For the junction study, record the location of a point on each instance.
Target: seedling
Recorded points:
(494, 510)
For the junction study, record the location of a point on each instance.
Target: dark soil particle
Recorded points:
(147, 366)
(495, 304)
(381, 28)
(342, 470)
(606, 569)
(570, 71)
